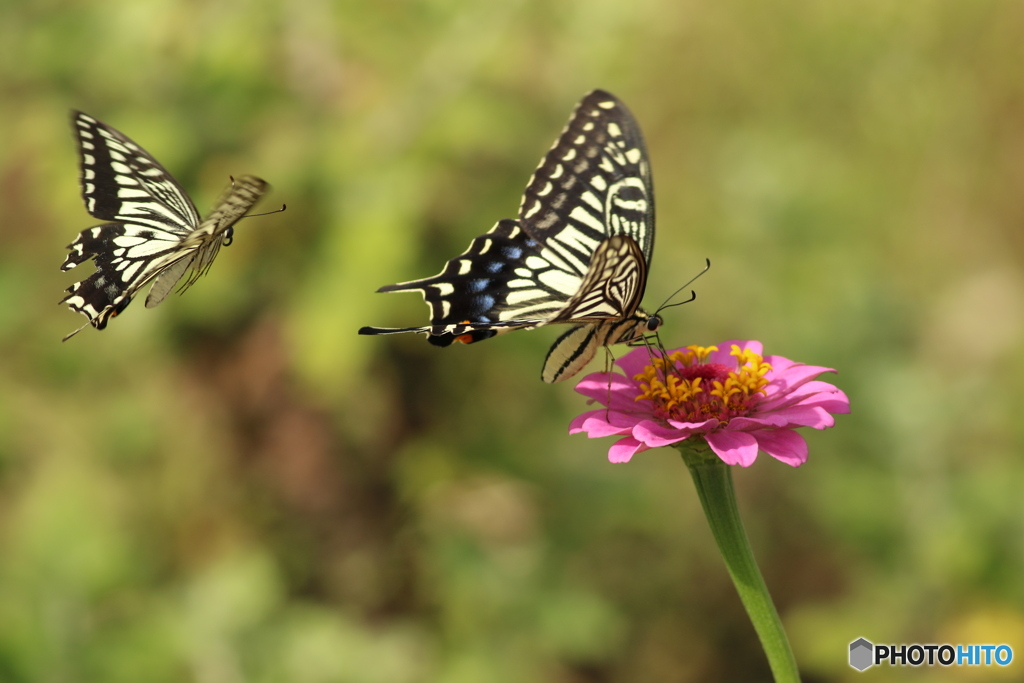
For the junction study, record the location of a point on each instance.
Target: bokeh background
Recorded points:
(235, 487)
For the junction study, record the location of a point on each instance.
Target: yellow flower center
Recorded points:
(685, 387)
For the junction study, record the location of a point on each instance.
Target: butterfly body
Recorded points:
(154, 233)
(577, 254)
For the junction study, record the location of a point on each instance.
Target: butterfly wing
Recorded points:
(163, 284)
(612, 287)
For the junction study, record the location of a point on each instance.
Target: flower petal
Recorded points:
(693, 427)
(624, 449)
(796, 416)
(812, 393)
(734, 448)
(782, 381)
(610, 389)
(785, 445)
(654, 435)
(724, 353)
(838, 405)
(828, 397)
(805, 416)
(754, 423)
(603, 422)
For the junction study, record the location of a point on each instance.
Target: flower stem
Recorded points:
(713, 479)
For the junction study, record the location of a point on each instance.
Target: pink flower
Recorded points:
(737, 401)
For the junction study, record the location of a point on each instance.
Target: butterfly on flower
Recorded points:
(578, 253)
(155, 233)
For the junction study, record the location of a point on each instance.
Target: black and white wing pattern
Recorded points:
(155, 233)
(578, 253)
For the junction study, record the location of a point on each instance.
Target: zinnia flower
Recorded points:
(735, 400)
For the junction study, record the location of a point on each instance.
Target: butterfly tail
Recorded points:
(465, 334)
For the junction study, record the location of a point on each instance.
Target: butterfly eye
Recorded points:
(653, 323)
(229, 237)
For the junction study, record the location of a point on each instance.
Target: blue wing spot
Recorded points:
(494, 267)
(511, 252)
(484, 302)
(478, 285)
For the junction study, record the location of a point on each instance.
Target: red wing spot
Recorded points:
(465, 338)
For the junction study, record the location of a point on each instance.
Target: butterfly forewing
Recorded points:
(595, 182)
(122, 182)
(155, 226)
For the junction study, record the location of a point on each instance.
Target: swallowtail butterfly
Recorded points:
(578, 253)
(155, 234)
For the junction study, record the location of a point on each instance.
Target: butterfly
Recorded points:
(155, 233)
(578, 253)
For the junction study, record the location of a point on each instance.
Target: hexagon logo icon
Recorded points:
(861, 652)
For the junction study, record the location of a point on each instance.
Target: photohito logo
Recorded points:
(864, 654)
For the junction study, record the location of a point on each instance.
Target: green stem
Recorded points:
(713, 479)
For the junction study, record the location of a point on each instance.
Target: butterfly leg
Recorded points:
(609, 366)
(655, 350)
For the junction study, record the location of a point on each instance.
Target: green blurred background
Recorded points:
(235, 487)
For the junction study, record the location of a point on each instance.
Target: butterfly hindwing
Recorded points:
(164, 283)
(609, 301)
(155, 233)
(126, 257)
(613, 285)
(499, 283)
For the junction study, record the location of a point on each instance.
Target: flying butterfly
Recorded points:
(155, 233)
(578, 253)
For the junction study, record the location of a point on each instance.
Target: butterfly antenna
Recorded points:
(254, 215)
(266, 213)
(693, 295)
